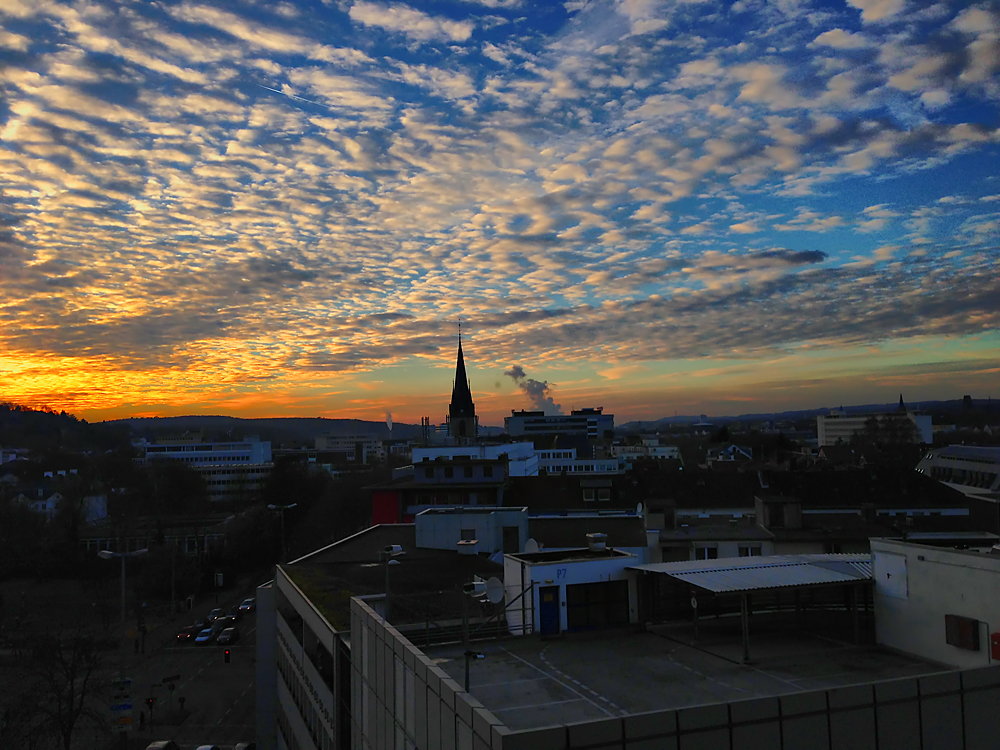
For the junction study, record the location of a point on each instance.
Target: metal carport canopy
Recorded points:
(746, 574)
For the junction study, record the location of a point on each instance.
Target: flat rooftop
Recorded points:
(530, 682)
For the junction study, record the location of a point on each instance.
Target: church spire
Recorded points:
(462, 421)
(461, 394)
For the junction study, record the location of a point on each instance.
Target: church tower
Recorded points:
(463, 424)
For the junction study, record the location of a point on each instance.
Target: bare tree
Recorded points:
(62, 674)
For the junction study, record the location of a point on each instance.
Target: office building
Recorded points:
(900, 426)
(361, 645)
(233, 470)
(593, 424)
(970, 469)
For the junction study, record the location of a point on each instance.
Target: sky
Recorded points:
(655, 206)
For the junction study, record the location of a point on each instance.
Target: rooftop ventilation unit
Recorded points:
(597, 542)
(468, 546)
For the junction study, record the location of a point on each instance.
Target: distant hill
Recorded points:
(278, 430)
(952, 407)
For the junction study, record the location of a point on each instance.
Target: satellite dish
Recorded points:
(494, 590)
(531, 546)
(638, 509)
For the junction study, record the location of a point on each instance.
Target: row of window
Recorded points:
(206, 459)
(569, 468)
(712, 553)
(187, 543)
(982, 479)
(310, 716)
(449, 472)
(291, 741)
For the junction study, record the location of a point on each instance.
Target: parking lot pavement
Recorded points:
(530, 682)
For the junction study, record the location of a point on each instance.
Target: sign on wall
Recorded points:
(962, 632)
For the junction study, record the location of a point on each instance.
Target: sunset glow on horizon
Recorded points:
(284, 209)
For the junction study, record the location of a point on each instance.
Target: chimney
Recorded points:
(597, 542)
(468, 546)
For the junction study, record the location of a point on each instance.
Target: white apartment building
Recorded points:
(521, 457)
(650, 448)
(565, 460)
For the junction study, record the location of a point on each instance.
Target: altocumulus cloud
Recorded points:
(263, 194)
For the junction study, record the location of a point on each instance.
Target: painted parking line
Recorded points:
(536, 705)
(554, 679)
(511, 682)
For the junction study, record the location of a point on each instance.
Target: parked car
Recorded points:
(215, 614)
(226, 621)
(229, 635)
(245, 746)
(208, 747)
(200, 624)
(206, 636)
(187, 634)
(235, 614)
(249, 604)
(162, 745)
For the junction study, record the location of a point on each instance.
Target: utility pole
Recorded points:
(281, 509)
(173, 578)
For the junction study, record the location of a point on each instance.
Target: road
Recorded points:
(219, 698)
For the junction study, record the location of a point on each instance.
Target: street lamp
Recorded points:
(106, 554)
(281, 509)
(387, 557)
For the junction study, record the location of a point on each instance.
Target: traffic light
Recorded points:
(149, 702)
(227, 656)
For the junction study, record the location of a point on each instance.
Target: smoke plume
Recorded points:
(537, 391)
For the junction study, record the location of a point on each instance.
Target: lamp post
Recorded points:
(281, 509)
(106, 554)
(387, 558)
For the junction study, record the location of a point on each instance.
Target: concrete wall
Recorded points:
(917, 585)
(437, 530)
(947, 711)
(401, 700)
(267, 671)
(732, 548)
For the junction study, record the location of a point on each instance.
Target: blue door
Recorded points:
(548, 598)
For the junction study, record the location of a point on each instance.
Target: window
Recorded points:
(468, 472)
(468, 534)
(589, 495)
(706, 553)
(429, 472)
(487, 471)
(749, 550)
(449, 472)
(604, 494)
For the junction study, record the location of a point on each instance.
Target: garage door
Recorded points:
(596, 605)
